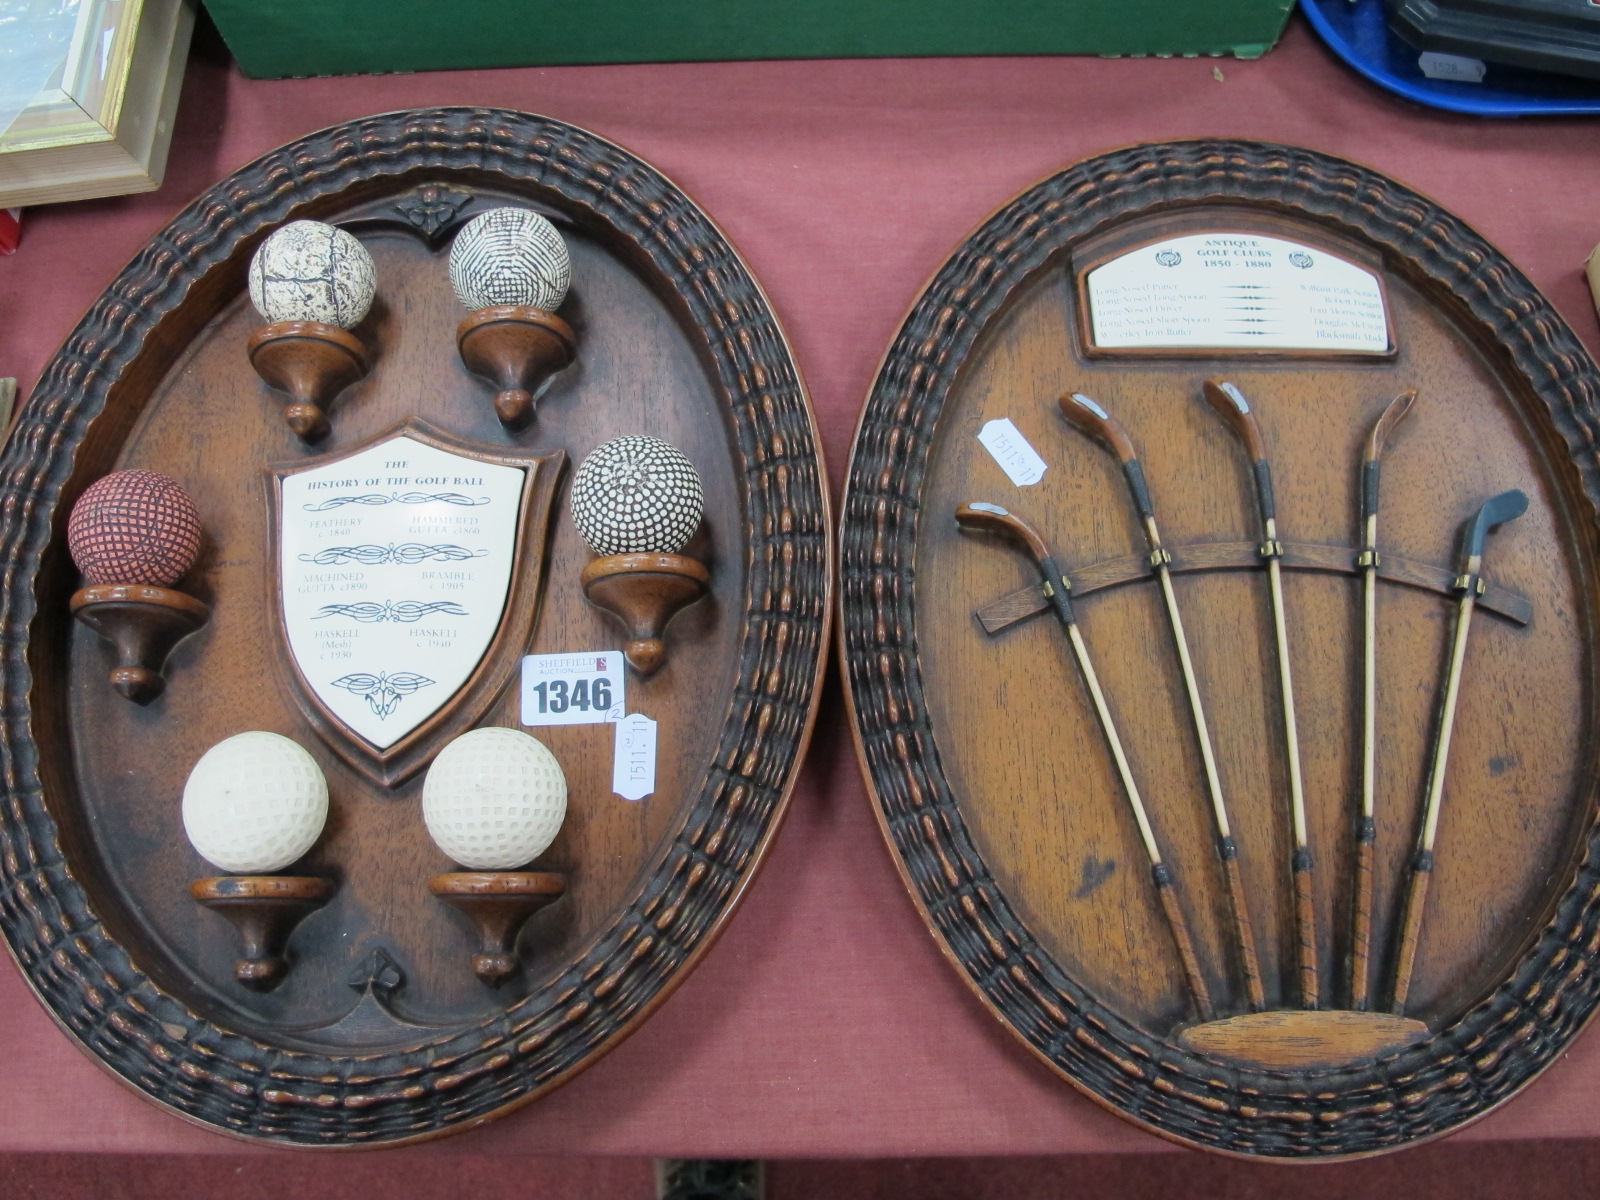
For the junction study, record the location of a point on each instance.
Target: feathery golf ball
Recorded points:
(636, 495)
(510, 256)
(308, 271)
(254, 803)
(494, 799)
(134, 527)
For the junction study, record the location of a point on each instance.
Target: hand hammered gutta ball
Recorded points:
(510, 256)
(494, 799)
(254, 803)
(636, 495)
(134, 527)
(308, 271)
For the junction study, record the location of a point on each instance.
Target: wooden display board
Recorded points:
(380, 1032)
(1252, 994)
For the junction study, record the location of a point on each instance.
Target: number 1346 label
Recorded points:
(573, 689)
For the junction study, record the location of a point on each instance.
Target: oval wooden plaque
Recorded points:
(993, 778)
(380, 1032)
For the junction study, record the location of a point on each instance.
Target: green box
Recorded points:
(276, 38)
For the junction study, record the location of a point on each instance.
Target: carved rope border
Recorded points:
(237, 1084)
(1456, 1075)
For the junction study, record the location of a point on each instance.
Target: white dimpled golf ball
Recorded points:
(510, 256)
(254, 803)
(494, 799)
(308, 271)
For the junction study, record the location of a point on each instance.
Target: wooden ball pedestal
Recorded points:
(313, 363)
(498, 903)
(516, 347)
(143, 624)
(264, 909)
(643, 592)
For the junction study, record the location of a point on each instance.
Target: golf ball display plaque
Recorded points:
(374, 577)
(1286, 851)
(407, 570)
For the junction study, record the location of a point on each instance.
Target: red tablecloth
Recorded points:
(825, 1022)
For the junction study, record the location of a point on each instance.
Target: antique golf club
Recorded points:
(1087, 415)
(1366, 827)
(1235, 410)
(991, 518)
(1507, 506)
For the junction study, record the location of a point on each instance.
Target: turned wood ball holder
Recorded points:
(264, 909)
(516, 347)
(643, 592)
(498, 903)
(313, 363)
(143, 624)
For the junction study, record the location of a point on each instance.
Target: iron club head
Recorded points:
(1507, 506)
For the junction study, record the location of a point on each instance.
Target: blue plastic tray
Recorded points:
(1356, 32)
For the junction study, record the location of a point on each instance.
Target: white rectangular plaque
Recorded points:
(395, 564)
(1235, 291)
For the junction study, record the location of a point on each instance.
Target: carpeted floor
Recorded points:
(1532, 1170)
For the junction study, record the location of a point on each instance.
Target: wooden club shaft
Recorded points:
(1361, 903)
(1361, 926)
(1169, 902)
(1243, 934)
(1305, 904)
(1411, 929)
(1182, 939)
(1422, 867)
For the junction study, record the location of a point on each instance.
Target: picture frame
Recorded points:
(103, 126)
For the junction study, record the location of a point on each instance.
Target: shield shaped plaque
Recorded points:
(406, 585)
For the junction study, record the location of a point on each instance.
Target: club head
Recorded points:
(991, 518)
(1230, 403)
(1087, 415)
(1394, 412)
(1507, 506)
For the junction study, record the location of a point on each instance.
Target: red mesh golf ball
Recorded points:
(134, 527)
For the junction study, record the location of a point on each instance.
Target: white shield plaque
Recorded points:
(395, 567)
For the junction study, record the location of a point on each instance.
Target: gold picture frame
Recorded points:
(104, 126)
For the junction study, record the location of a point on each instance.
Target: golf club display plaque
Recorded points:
(1256, 798)
(375, 574)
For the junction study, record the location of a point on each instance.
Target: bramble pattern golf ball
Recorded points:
(308, 271)
(255, 803)
(636, 495)
(494, 799)
(134, 527)
(510, 256)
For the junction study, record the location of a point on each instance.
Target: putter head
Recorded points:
(1229, 401)
(1086, 414)
(1392, 415)
(1507, 506)
(991, 518)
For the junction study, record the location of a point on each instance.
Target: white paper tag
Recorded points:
(633, 765)
(1017, 458)
(1236, 291)
(573, 689)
